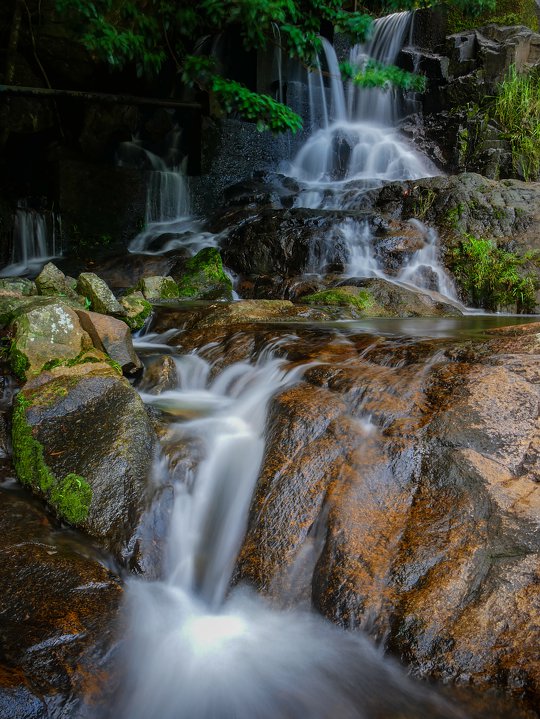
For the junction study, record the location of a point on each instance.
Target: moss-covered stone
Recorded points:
(342, 296)
(52, 282)
(138, 310)
(157, 287)
(70, 496)
(99, 294)
(44, 334)
(18, 285)
(204, 278)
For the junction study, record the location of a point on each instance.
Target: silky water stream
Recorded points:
(198, 649)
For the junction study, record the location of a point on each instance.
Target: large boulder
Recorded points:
(51, 281)
(399, 493)
(59, 608)
(44, 334)
(83, 441)
(381, 298)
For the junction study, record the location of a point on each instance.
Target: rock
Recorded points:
(158, 288)
(59, 606)
(399, 493)
(52, 282)
(45, 334)
(101, 298)
(203, 277)
(160, 375)
(381, 298)
(83, 441)
(286, 242)
(18, 285)
(113, 337)
(252, 311)
(137, 309)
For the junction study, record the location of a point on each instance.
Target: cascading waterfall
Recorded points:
(196, 653)
(356, 147)
(357, 139)
(36, 240)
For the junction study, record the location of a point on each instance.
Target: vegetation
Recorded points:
(346, 296)
(499, 12)
(149, 34)
(495, 278)
(70, 496)
(517, 109)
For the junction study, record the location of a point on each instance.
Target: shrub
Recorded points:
(494, 278)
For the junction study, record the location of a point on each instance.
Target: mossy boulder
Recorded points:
(354, 297)
(82, 440)
(138, 310)
(18, 285)
(158, 287)
(99, 294)
(52, 282)
(381, 298)
(43, 334)
(203, 277)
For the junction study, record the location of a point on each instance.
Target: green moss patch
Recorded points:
(71, 496)
(344, 297)
(204, 275)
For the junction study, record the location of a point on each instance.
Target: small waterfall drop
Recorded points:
(36, 241)
(169, 224)
(193, 651)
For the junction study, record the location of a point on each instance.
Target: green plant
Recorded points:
(495, 278)
(517, 109)
(147, 35)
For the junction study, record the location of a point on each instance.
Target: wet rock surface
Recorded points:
(415, 470)
(58, 617)
(91, 423)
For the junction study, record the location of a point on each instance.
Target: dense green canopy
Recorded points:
(150, 33)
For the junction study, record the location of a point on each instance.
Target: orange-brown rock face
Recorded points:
(414, 468)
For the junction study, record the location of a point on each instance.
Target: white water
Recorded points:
(357, 138)
(34, 243)
(196, 653)
(169, 223)
(357, 148)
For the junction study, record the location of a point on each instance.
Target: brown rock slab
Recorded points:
(113, 337)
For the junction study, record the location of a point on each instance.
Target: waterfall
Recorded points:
(36, 241)
(355, 138)
(194, 649)
(355, 146)
(169, 224)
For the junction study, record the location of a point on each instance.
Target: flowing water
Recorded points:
(169, 223)
(36, 240)
(197, 650)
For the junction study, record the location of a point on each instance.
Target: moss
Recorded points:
(18, 361)
(84, 357)
(71, 496)
(204, 273)
(138, 311)
(361, 301)
(506, 12)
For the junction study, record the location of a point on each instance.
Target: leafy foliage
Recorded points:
(517, 108)
(494, 278)
(374, 74)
